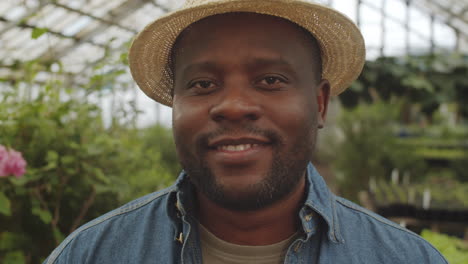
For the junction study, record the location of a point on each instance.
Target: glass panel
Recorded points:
(63, 23)
(15, 13)
(76, 60)
(396, 9)
(395, 39)
(42, 13)
(77, 25)
(101, 8)
(444, 36)
(347, 7)
(142, 16)
(16, 38)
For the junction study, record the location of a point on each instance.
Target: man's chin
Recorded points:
(240, 199)
(240, 181)
(249, 193)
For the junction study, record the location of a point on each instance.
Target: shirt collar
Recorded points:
(319, 200)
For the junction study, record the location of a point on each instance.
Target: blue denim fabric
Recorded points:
(160, 228)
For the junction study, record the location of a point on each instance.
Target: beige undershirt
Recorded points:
(215, 250)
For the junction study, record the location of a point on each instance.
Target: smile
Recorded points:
(239, 150)
(240, 147)
(237, 144)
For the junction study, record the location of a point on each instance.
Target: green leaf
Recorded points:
(357, 87)
(67, 159)
(19, 182)
(48, 87)
(100, 176)
(44, 215)
(52, 160)
(124, 58)
(10, 241)
(4, 204)
(52, 156)
(15, 257)
(454, 249)
(37, 32)
(58, 235)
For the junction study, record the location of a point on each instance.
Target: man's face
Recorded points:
(247, 105)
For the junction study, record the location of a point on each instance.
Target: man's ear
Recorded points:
(323, 97)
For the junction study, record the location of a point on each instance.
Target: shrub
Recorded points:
(454, 249)
(77, 168)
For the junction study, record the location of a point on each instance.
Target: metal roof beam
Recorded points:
(93, 64)
(102, 20)
(447, 17)
(163, 8)
(59, 34)
(448, 11)
(86, 34)
(398, 21)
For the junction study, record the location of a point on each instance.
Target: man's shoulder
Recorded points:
(362, 228)
(130, 221)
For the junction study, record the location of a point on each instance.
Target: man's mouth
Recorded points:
(237, 144)
(240, 149)
(234, 148)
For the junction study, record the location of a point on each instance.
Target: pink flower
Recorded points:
(11, 163)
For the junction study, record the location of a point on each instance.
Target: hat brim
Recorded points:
(341, 43)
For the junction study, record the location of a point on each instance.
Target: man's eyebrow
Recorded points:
(259, 62)
(200, 66)
(274, 63)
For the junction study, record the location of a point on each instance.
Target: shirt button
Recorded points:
(177, 205)
(181, 238)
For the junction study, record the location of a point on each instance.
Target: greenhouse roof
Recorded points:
(452, 12)
(78, 33)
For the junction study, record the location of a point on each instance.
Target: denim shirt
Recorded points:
(161, 228)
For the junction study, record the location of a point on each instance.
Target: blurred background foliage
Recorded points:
(426, 81)
(406, 119)
(78, 168)
(455, 250)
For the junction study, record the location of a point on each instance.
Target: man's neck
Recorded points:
(261, 227)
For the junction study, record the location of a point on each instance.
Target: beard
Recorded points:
(287, 168)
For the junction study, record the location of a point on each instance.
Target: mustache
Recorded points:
(203, 139)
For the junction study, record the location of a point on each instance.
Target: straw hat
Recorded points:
(341, 43)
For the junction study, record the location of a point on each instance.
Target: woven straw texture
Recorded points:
(341, 43)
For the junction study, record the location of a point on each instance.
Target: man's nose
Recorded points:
(236, 104)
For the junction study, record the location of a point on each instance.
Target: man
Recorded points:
(249, 83)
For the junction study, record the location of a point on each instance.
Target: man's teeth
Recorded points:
(237, 147)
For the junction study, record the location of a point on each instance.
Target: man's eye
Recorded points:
(202, 85)
(272, 80)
